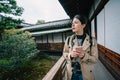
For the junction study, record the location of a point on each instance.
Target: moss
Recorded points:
(36, 69)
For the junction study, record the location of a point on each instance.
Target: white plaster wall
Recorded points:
(50, 38)
(57, 37)
(101, 28)
(39, 39)
(92, 28)
(112, 25)
(45, 39)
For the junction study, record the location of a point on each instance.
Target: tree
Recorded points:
(16, 47)
(9, 7)
(40, 21)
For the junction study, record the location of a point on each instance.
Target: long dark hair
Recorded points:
(82, 18)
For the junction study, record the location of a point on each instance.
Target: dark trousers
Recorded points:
(77, 76)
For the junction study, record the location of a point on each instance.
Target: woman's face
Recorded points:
(77, 26)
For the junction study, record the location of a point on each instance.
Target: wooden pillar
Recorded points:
(47, 38)
(95, 23)
(62, 37)
(42, 38)
(52, 38)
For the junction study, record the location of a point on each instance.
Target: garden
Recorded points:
(20, 59)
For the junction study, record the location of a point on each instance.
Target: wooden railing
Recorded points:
(57, 72)
(109, 58)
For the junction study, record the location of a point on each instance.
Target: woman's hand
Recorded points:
(80, 51)
(74, 53)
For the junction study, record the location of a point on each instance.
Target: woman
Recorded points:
(80, 51)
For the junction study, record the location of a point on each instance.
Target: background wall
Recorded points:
(108, 26)
(112, 25)
(101, 28)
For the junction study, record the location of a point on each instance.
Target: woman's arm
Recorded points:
(66, 53)
(93, 56)
(66, 49)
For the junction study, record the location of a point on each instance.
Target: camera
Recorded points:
(75, 67)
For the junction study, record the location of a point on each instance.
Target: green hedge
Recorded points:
(16, 47)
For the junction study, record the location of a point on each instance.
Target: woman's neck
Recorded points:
(79, 33)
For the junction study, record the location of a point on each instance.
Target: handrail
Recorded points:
(57, 71)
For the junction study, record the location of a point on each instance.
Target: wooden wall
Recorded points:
(50, 46)
(54, 49)
(52, 42)
(111, 60)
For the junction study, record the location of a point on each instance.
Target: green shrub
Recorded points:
(16, 47)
